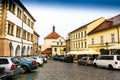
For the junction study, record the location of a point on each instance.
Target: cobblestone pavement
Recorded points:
(55, 70)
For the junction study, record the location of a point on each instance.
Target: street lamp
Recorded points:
(106, 44)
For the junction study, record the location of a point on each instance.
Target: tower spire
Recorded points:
(53, 28)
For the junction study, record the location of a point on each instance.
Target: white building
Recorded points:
(16, 29)
(54, 44)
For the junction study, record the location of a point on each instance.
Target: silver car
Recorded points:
(86, 61)
(11, 64)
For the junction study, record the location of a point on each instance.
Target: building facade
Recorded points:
(105, 35)
(16, 29)
(79, 37)
(68, 45)
(36, 47)
(54, 44)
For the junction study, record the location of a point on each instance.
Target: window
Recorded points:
(55, 49)
(61, 43)
(101, 39)
(112, 38)
(28, 36)
(78, 35)
(24, 34)
(85, 33)
(25, 18)
(76, 44)
(85, 44)
(107, 57)
(57, 43)
(11, 6)
(10, 28)
(19, 13)
(79, 44)
(84, 58)
(28, 22)
(118, 57)
(81, 34)
(82, 45)
(18, 31)
(92, 41)
(4, 61)
(32, 24)
(31, 38)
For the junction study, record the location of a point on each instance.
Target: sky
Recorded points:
(67, 15)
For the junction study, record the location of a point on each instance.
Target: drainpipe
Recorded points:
(22, 33)
(118, 34)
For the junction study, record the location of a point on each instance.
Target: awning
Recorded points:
(91, 52)
(114, 47)
(85, 52)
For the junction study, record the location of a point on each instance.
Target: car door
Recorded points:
(98, 61)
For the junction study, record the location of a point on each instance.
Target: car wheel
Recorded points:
(95, 65)
(85, 64)
(24, 69)
(110, 67)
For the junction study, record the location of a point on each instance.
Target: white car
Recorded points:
(11, 65)
(38, 60)
(107, 61)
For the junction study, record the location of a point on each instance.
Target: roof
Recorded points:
(19, 2)
(105, 25)
(85, 25)
(47, 51)
(109, 23)
(36, 34)
(53, 35)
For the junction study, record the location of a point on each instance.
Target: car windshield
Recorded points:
(15, 60)
(84, 58)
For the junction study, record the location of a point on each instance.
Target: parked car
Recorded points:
(11, 65)
(27, 64)
(68, 59)
(2, 73)
(56, 57)
(44, 59)
(86, 61)
(107, 61)
(38, 60)
(61, 58)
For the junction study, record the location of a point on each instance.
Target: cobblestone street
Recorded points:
(55, 70)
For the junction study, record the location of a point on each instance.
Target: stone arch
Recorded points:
(23, 51)
(17, 51)
(11, 49)
(31, 52)
(28, 50)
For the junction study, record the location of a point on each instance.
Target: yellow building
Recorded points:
(79, 37)
(105, 35)
(36, 50)
(67, 45)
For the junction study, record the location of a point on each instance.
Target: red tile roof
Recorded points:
(109, 23)
(47, 51)
(105, 25)
(53, 35)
